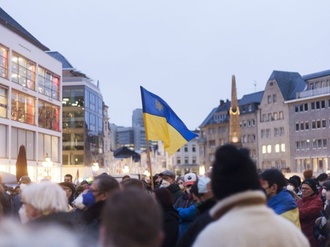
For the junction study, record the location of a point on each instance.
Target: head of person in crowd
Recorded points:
(24, 181)
(84, 184)
(180, 182)
(189, 180)
(69, 190)
(308, 188)
(292, 184)
(68, 178)
(100, 189)
(322, 178)
(131, 218)
(132, 182)
(14, 234)
(204, 188)
(157, 179)
(168, 178)
(125, 177)
(163, 197)
(308, 174)
(233, 172)
(43, 199)
(272, 181)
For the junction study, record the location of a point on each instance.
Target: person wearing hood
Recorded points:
(170, 216)
(279, 197)
(310, 206)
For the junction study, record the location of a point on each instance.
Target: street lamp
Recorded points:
(48, 164)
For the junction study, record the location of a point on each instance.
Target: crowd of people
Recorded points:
(232, 205)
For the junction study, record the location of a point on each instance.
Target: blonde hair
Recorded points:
(46, 197)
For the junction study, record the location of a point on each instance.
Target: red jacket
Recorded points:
(309, 210)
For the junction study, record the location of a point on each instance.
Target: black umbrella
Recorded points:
(125, 152)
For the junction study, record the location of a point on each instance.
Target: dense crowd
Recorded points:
(231, 205)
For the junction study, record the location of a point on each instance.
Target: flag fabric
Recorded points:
(161, 123)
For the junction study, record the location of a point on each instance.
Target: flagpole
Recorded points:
(148, 154)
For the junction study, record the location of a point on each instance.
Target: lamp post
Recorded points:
(48, 164)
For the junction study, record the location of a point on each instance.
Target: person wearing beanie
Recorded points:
(310, 206)
(241, 216)
(278, 197)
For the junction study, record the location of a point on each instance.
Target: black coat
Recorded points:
(170, 226)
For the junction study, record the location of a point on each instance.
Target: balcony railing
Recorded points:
(313, 92)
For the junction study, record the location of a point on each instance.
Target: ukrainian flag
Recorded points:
(161, 123)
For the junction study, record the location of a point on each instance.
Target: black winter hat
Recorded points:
(233, 172)
(311, 183)
(293, 182)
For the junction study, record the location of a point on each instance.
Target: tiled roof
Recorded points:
(7, 21)
(251, 98)
(58, 56)
(316, 75)
(289, 83)
(223, 107)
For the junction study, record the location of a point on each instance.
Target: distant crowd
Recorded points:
(231, 205)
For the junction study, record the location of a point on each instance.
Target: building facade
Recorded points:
(84, 121)
(30, 102)
(286, 126)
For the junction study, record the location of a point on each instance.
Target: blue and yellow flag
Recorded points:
(161, 123)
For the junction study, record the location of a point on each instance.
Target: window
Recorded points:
(283, 147)
(277, 148)
(212, 143)
(3, 102)
(306, 107)
(274, 98)
(48, 116)
(306, 125)
(269, 99)
(48, 83)
(23, 71)
(324, 123)
(281, 115)
(194, 148)
(186, 148)
(282, 132)
(275, 115)
(269, 149)
(296, 108)
(178, 160)
(186, 160)
(22, 108)
(3, 62)
(312, 106)
(263, 149)
(297, 126)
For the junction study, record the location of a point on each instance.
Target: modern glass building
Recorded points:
(83, 130)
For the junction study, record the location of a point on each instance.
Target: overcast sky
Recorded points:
(185, 51)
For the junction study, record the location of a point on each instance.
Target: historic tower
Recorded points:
(234, 125)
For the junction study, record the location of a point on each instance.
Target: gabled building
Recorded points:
(274, 115)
